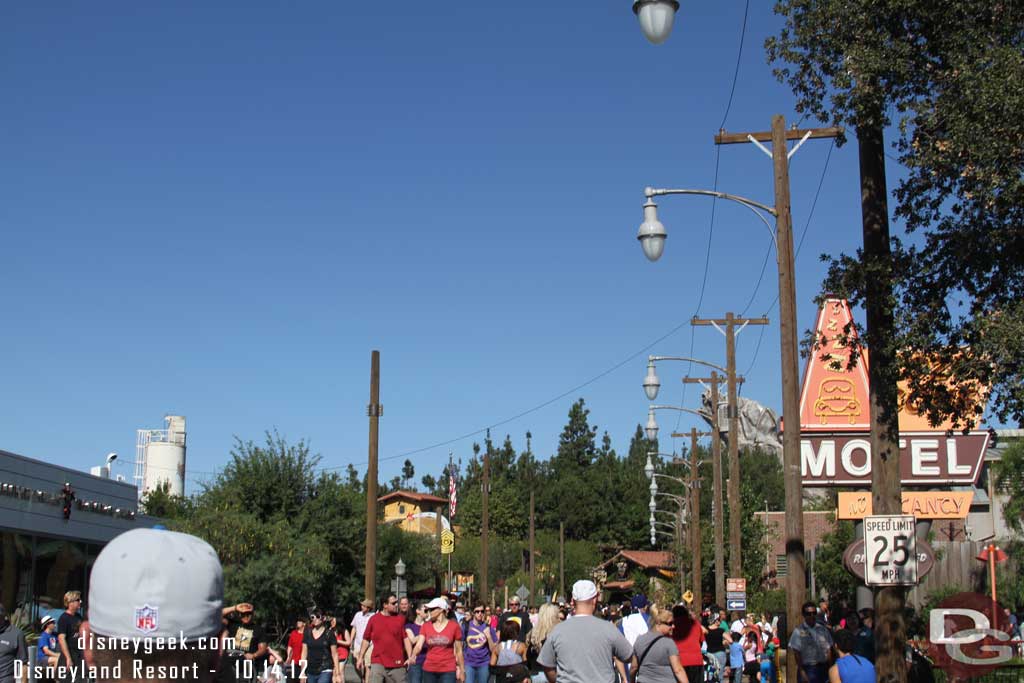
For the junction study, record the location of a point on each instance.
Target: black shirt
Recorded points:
(246, 637)
(522, 617)
(12, 647)
(67, 626)
(715, 640)
(318, 650)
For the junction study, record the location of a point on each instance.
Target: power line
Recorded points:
(714, 201)
(800, 244)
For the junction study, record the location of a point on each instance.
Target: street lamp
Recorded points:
(656, 18)
(651, 382)
(398, 585)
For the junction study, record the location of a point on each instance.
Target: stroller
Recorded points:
(712, 671)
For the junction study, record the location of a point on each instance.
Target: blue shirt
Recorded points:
(736, 655)
(855, 669)
(50, 641)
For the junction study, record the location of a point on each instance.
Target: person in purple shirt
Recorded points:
(480, 641)
(414, 619)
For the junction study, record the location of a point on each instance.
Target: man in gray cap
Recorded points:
(12, 649)
(584, 649)
(154, 609)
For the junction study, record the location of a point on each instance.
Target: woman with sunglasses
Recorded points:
(442, 640)
(481, 641)
(655, 655)
(414, 620)
(320, 651)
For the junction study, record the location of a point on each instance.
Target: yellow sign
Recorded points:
(447, 542)
(921, 504)
(688, 597)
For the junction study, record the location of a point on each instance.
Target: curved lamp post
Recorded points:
(651, 382)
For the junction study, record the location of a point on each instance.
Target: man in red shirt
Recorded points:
(391, 647)
(292, 665)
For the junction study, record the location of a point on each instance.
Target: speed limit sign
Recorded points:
(890, 550)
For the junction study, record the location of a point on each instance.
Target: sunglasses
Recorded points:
(478, 611)
(392, 602)
(810, 614)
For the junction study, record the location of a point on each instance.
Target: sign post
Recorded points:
(890, 550)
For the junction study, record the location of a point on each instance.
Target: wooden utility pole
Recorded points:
(794, 527)
(698, 569)
(374, 410)
(485, 524)
(561, 560)
(533, 584)
(883, 372)
(693, 522)
(730, 322)
(718, 512)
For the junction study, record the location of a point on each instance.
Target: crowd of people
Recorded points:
(156, 613)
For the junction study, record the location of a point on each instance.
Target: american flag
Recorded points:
(452, 497)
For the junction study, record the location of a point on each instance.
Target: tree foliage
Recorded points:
(1009, 473)
(948, 77)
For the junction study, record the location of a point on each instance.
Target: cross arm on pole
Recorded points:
(724, 138)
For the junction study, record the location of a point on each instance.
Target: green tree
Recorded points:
(288, 538)
(408, 473)
(1009, 473)
(160, 502)
(829, 571)
(948, 79)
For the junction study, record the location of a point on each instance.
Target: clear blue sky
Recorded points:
(219, 209)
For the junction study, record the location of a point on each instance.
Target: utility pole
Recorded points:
(731, 321)
(698, 569)
(716, 484)
(561, 560)
(694, 521)
(485, 524)
(532, 524)
(374, 410)
(794, 531)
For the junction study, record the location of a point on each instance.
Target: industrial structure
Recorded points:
(160, 457)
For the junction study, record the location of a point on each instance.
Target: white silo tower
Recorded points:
(160, 457)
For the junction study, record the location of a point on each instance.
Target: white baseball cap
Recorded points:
(438, 603)
(584, 590)
(152, 582)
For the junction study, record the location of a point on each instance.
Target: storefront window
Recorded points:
(16, 575)
(60, 567)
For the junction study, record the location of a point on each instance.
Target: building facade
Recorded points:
(53, 523)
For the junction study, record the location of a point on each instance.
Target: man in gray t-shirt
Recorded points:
(12, 648)
(583, 648)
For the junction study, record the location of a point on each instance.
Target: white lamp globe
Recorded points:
(652, 233)
(651, 428)
(651, 382)
(656, 18)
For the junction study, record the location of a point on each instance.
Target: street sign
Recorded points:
(688, 597)
(853, 558)
(447, 542)
(737, 605)
(735, 595)
(890, 550)
(736, 585)
(522, 593)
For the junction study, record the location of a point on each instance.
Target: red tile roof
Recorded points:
(648, 559)
(413, 496)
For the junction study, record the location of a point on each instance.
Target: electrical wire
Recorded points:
(714, 203)
(799, 246)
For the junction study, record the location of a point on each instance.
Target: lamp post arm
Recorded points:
(678, 480)
(690, 360)
(650, 192)
(679, 408)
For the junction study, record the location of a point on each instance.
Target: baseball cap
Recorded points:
(638, 601)
(584, 590)
(438, 603)
(156, 583)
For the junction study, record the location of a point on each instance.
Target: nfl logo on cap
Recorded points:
(147, 619)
